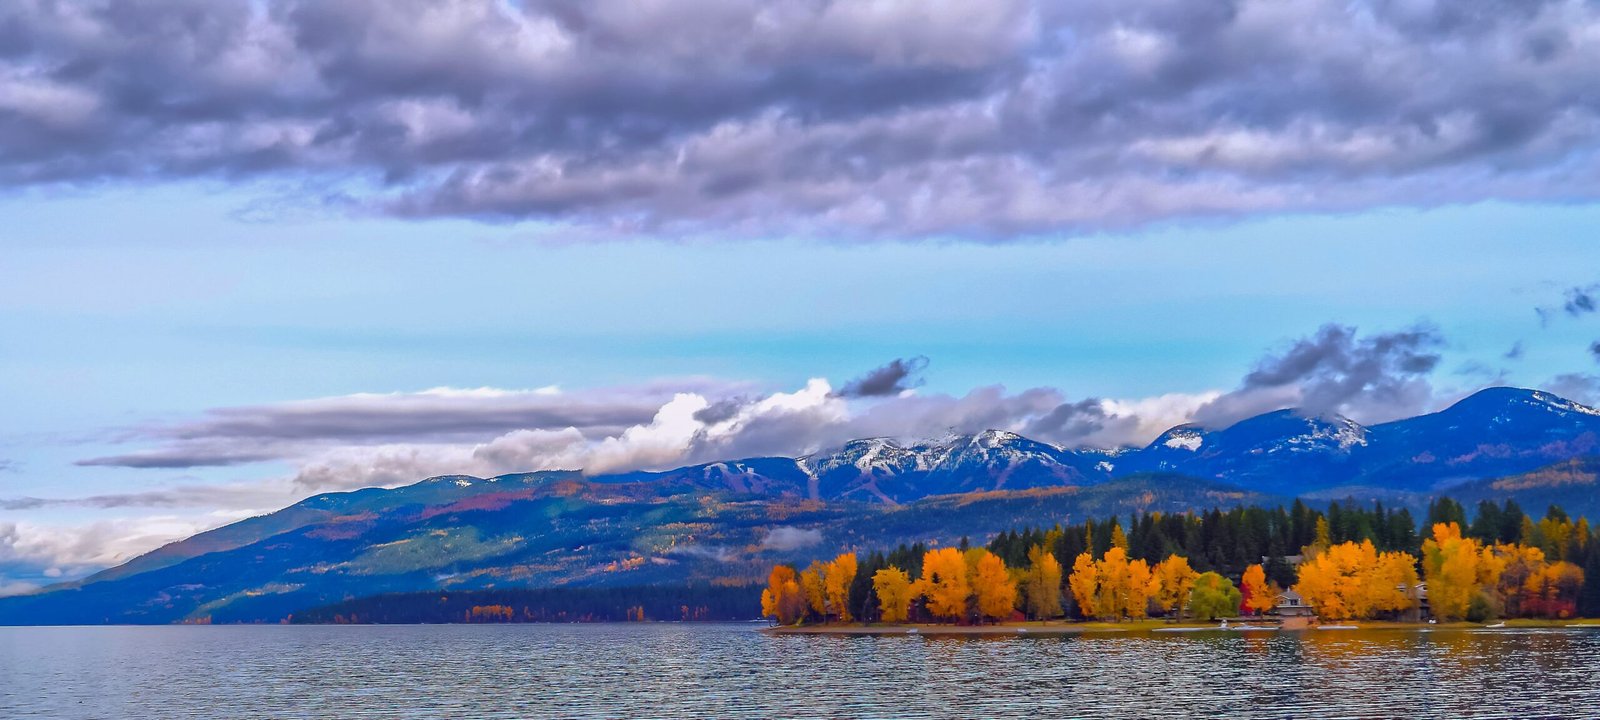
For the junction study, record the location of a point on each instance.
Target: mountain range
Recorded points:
(726, 522)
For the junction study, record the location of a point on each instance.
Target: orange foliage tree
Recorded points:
(893, 587)
(995, 591)
(1141, 587)
(783, 600)
(1351, 580)
(1258, 598)
(1083, 582)
(944, 583)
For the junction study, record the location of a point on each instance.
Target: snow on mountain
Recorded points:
(1184, 440)
(1494, 432)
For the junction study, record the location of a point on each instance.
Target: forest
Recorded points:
(1349, 562)
(524, 605)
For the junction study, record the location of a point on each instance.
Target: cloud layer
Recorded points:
(335, 443)
(883, 118)
(389, 439)
(1336, 371)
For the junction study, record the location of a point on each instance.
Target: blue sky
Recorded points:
(243, 260)
(125, 307)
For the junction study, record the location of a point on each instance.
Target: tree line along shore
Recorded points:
(1299, 564)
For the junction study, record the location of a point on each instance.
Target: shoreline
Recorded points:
(1058, 629)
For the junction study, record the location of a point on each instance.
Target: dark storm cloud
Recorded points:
(1580, 300)
(1334, 356)
(1576, 386)
(721, 410)
(891, 379)
(1070, 421)
(179, 457)
(1576, 302)
(1337, 371)
(834, 118)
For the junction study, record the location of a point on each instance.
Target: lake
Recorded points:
(732, 671)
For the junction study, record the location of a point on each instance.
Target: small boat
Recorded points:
(1500, 624)
(1338, 627)
(912, 631)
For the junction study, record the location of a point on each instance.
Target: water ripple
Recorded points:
(732, 671)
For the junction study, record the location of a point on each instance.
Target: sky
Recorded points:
(255, 251)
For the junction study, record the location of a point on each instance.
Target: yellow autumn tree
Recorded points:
(1253, 586)
(1451, 565)
(893, 587)
(1174, 583)
(1394, 582)
(1111, 597)
(1349, 580)
(815, 588)
(995, 591)
(1141, 587)
(1320, 543)
(1119, 539)
(944, 583)
(1041, 583)
(1083, 582)
(836, 579)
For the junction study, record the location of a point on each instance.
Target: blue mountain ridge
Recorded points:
(728, 521)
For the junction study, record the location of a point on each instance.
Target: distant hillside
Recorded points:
(540, 530)
(1573, 484)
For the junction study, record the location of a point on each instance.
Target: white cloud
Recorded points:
(69, 549)
(809, 419)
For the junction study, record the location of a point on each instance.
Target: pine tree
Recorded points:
(1589, 597)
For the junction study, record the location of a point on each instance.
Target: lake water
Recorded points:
(732, 671)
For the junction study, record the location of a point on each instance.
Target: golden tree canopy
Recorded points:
(893, 587)
(944, 583)
(995, 591)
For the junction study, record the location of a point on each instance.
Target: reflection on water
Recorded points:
(723, 671)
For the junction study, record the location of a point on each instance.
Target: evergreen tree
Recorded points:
(1445, 510)
(1589, 597)
(1511, 521)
